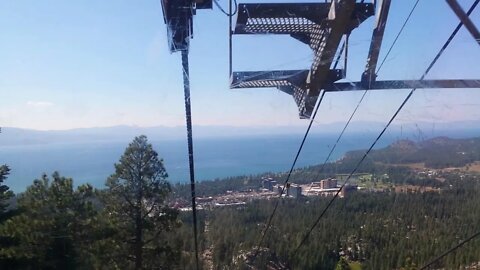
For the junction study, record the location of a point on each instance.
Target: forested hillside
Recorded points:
(393, 160)
(438, 152)
(380, 229)
(374, 230)
(400, 218)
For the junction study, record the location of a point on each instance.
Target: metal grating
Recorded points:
(288, 81)
(319, 25)
(278, 25)
(261, 84)
(318, 42)
(274, 78)
(279, 13)
(305, 103)
(299, 95)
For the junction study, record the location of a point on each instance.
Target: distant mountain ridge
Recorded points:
(438, 152)
(18, 136)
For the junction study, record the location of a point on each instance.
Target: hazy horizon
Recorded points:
(300, 125)
(117, 70)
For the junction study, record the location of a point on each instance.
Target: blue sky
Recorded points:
(71, 64)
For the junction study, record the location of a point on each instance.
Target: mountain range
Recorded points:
(11, 136)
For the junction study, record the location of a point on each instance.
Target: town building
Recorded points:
(269, 183)
(328, 183)
(292, 190)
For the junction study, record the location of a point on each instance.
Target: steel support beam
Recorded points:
(406, 84)
(465, 19)
(339, 21)
(369, 75)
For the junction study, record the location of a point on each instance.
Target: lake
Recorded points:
(93, 162)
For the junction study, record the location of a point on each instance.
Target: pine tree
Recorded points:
(54, 227)
(135, 203)
(5, 193)
(5, 213)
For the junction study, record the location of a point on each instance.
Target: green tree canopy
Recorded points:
(53, 229)
(5, 213)
(135, 204)
(5, 193)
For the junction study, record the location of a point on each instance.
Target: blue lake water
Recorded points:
(214, 158)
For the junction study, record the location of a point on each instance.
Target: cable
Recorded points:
(230, 40)
(339, 137)
(457, 9)
(188, 116)
(341, 134)
(384, 129)
(366, 90)
(451, 250)
(398, 35)
(269, 222)
(223, 10)
(386, 56)
(339, 55)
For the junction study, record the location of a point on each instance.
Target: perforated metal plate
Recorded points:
(319, 25)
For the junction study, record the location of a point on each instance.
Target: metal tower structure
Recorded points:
(178, 16)
(321, 26)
